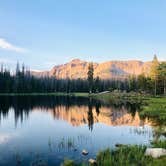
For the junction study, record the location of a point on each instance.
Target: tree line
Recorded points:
(22, 81)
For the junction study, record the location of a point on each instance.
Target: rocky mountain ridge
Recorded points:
(107, 70)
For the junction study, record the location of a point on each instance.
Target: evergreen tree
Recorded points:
(90, 76)
(141, 81)
(97, 84)
(154, 72)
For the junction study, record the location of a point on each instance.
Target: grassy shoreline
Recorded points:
(102, 96)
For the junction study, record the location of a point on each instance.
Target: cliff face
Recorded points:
(107, 70)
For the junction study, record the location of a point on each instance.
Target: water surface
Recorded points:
(49, 129)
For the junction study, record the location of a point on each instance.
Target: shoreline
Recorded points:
(46, 94)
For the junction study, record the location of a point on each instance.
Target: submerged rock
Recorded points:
(75, 149)
(85, 152)
(155, 152)
(39, 163)
(92, 161)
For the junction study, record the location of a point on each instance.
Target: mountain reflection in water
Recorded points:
(49, 129)
(74, 110)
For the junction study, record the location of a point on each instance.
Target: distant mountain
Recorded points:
(111, 69)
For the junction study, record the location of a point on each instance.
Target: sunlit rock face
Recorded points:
(111, 69)
(71, 69)
(84, 115)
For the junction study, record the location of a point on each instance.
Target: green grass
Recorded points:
(128, 156)
(81, 94)
(114, 97)
(159, 144)
(124, 156)
(155, 109)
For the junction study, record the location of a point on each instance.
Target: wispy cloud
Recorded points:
(8, 46)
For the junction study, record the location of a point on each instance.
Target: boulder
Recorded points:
(155, 152)
(85, 152)
(92, 161)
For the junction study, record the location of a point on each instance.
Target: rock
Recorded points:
(155, 152)
(75, 149)
(119, 145)
(92, 161)
(85, 152)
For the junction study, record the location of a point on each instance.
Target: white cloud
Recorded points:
(8, 46)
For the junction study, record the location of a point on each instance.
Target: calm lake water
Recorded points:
(49, 129)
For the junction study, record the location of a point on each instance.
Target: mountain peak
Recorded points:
(75, 60)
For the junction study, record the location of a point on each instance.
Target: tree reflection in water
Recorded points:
(77, 109)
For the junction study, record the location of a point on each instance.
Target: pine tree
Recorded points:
(90, 77)
(154, 72)
(97, 84)
(141, 81)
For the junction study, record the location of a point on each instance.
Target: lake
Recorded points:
(47, 129)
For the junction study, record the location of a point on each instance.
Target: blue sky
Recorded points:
(43, 33)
